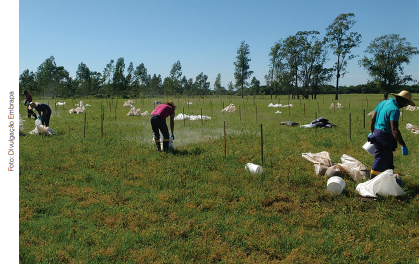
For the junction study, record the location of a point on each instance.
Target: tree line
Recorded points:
(297, 66)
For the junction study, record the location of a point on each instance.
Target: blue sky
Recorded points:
(203, 35)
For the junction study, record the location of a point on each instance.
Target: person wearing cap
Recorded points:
(26, 101)
(44, 112)
(158, 122)
(385, 134)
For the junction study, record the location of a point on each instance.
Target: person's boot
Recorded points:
(399, 180)
(165, 145)
(372, 176)
(158, 144)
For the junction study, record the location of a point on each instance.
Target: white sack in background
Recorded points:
(384, 184)
(412, 108)
(134, 112)
(279, 105)
(412, 128)
(180, 117)
(60, 103)
(229, 108)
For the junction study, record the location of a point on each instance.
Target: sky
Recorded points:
(203, 35)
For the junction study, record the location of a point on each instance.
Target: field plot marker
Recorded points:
(350, 126)
(262, 149)
(224, 135)
(364, 111)
(239, 113)
(84, 127)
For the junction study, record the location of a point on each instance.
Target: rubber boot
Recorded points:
(158, 144)
(165, 145)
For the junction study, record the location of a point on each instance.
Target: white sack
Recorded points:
(412, 128)
(21, 127)
(229, 108)
(41, 129)
(321, 161)
(384, 184)
(180, 117)
(353, 167)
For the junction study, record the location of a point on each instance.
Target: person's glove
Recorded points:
(172, 137)
(40, 117)
(404, 150)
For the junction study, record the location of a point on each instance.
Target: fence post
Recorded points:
(350, 126)
(262, 146)
(224, 135)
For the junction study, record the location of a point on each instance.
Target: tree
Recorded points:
(27, 81)
(231, 88)
(129, 79)
(140, 78)
(218, 84)
(341, 41)
(45, 75)
(389, 53)
(201, 85)
(242, 72)
(255, 86)
(275, 65)
(119, 78)
(176, 75)
(108, 75)
(83, 77)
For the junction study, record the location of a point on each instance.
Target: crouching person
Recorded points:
(44, 112)
(158, 122)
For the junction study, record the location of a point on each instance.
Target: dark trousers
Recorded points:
(159, 123)
(46, 120)
(385, 144)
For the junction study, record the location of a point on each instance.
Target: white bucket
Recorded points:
(370, 148)
(335, 184)
(254, 169)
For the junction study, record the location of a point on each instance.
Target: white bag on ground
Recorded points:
(353, 167)
(384, 184)
(41, 129)
(321, 161)
(412, 128)
(21, 127)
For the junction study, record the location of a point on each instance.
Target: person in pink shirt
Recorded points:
(158, 122)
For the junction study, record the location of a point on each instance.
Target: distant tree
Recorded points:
(140, 79)
(45, 75)
(27, 82)
(275, 65)
(119, 78)
(242, 72)
(83, 78)
(231, 88)
(201, 85)
(389, 53)
(187, 85)
(108, 76)
(255, 86)
(218, 84)
(176, 76)
(341, 41)
(129, 79)
(156, 85)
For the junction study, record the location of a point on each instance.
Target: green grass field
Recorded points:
(88, 197)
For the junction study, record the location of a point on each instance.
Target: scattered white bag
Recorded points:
(21, 127)
(229, 108)
(321, 160)
(412, 128)
(253, 168)
(41, 129)
(384, 184)
(353, 167)
(181, 117)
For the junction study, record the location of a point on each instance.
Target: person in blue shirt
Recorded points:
(385, 134)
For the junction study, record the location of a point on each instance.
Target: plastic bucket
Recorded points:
(335, 184)
(370, 148)
(254, 169)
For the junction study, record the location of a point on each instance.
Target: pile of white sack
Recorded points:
(229, 108)
(60, 103)
(412, 128)
(128, 103)
(279, 105)
(188, 103)
(79, 109)
(339, 106)
(181, 116)
(134, 112)
(41, 129)
(412, 108)
(383, 184)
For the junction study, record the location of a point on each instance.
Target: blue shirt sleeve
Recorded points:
(394, 115)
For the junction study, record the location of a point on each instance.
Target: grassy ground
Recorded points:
(85, 197)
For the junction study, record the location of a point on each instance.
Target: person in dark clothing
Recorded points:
(44, 112)
(158, 122)
(385, 134)
(26, 101)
